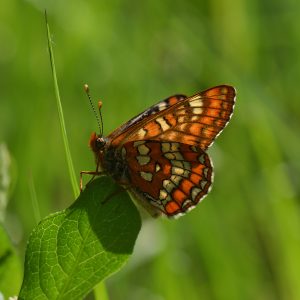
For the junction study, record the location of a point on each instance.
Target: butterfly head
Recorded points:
(97, 142)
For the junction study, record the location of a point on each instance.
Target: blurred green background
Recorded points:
(243, 241)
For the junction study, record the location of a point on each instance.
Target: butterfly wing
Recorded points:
(131, 126)
(167, 177)
(195, 120)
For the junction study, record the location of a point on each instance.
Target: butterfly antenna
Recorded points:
(100, 114)
(99, 120)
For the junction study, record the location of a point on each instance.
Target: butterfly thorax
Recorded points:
(109, 159)
(115, 164)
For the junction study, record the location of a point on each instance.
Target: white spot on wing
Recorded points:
(194, 118)
(173, 156)
(146, 175)
(197, 111)
(163, 194)
(143, 149)
(143, 160)
(187, 202)
(142, 133)
(195, 192)
(205, 172)
(196, 103)
(157, 167)
(168, 185)
(162, 105)
(203, 183)
(176, 179)
(178, 163)
(163, 124)
(177, 171)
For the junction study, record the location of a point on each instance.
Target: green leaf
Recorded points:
(71, 251)
(10, 267)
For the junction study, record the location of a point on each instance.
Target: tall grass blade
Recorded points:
(73, 177)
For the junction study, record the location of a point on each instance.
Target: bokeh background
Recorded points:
(243, 241)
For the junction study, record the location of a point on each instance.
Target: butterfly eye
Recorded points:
(100, 143)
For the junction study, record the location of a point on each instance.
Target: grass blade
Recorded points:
(73, 177)
(35, 203)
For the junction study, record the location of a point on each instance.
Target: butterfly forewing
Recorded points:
(121, 134)
(195, 120)
(173, 177)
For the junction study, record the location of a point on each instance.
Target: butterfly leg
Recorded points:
(94, 173)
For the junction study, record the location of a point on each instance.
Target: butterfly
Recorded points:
(160, 156)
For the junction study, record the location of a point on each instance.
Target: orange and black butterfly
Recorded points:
(160, 155)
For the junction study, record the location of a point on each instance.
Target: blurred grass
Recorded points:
(243, 241)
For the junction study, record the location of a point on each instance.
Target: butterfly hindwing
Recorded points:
(170, 177)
